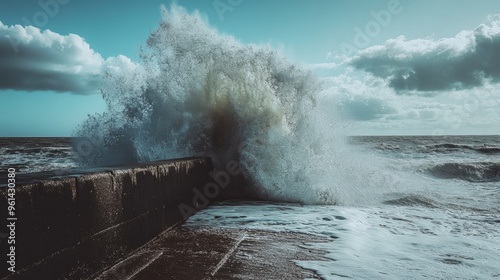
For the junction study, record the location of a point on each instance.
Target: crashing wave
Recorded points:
(472, 172)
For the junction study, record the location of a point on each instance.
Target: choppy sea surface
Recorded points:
(436, 214)
(28, 155)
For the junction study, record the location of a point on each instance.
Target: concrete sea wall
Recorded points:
(76, 223)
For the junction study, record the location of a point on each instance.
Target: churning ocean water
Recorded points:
(29, 155)
(434, 213)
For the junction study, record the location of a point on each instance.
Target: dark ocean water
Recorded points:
(28, 155)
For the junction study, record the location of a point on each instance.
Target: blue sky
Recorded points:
(311, 33)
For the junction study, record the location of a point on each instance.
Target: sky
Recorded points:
(404, 67)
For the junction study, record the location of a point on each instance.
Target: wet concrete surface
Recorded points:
(219, 253)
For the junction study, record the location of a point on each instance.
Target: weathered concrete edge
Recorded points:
(76, 223)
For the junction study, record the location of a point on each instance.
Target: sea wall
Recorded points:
(74, 224)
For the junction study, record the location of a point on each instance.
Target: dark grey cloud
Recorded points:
(31, 59)
(468, 60)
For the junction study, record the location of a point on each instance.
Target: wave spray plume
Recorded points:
(201, 93)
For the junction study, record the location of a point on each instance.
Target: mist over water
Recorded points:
(197, 92)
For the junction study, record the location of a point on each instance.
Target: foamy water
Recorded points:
(443, 227)
(383, 242)
(438, 229)
(446, 226)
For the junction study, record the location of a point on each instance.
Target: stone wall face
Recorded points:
(76, 223)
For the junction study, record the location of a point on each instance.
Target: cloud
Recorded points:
(31, 59)
(362, 108)
(360, 100)
(369, 107)
(468, 60)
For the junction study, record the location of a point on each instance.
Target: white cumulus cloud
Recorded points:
(33, 59)
(468, 60)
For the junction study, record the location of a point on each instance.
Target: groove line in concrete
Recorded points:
(159, 254)
(228, 254)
